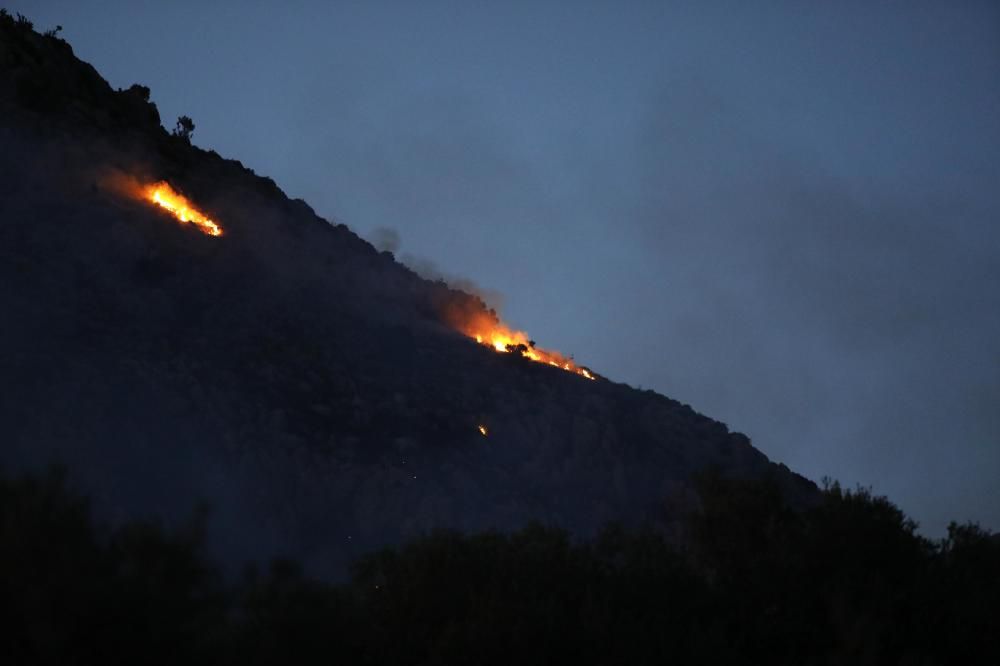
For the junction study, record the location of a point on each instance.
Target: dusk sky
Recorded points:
(786, 215)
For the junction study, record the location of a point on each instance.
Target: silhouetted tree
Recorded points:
(71, 593)
(184, 128)
(847, 580)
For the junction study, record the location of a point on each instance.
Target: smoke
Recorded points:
(387, 239)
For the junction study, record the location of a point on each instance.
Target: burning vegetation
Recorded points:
(164, 196)
(161, 194)
(488, 330)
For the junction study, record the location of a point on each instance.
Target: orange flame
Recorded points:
(487, 330)
(483, 431)
(164, 196)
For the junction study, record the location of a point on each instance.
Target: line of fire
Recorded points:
(486, 330)
(178, 205)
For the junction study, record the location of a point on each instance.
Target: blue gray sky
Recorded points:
(786, 214)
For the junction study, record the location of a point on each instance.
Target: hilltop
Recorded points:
(313, 390)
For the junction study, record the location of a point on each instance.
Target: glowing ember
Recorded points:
(164, 196)
(483, 431)
(487, 330)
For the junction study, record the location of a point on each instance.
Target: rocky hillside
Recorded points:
(303, 384)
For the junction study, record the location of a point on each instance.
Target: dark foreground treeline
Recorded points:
(848, 582)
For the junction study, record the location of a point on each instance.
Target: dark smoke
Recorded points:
(387, 239)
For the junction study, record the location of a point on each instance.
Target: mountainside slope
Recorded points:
(305, 385)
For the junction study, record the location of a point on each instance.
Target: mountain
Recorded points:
(321, 397)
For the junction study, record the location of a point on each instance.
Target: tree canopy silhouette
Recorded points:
(184, 128)
(847, 581)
